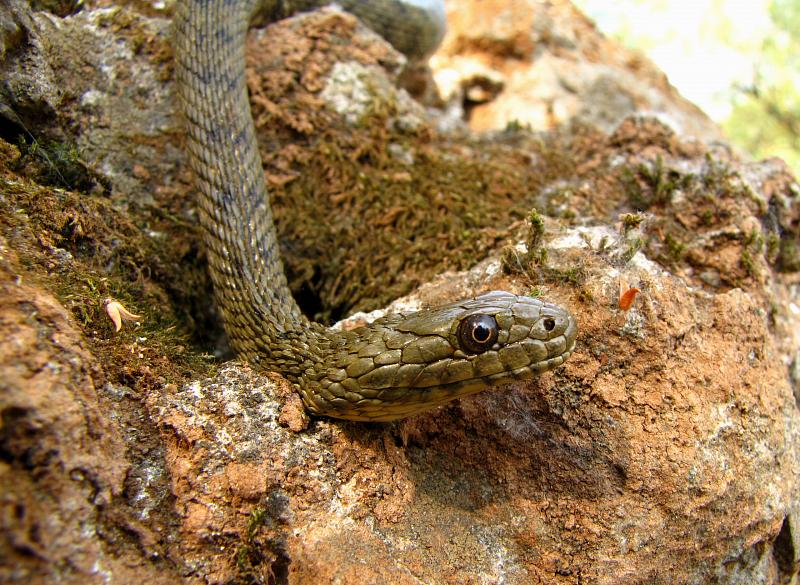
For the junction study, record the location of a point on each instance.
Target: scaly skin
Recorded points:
(399, 365)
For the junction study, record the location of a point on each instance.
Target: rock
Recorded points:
(96, 80)
(64, 473)
(541, 65)
(666, 450)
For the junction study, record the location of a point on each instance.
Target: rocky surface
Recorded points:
(541, 65)
(667, 449)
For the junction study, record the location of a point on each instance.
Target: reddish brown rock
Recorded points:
(64, 465)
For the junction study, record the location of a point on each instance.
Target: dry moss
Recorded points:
(359, 226)
(367, 211)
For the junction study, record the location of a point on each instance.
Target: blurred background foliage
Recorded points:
(739, 60)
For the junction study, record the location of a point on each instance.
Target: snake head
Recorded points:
(407, 363)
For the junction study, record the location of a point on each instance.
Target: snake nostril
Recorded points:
(549, 324)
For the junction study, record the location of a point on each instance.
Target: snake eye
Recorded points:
(477, 333)
(549, 324)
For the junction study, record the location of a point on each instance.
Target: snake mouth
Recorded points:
(399, 402)
(534, 338)
(531, 370)
(458, 388)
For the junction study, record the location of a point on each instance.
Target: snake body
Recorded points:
(400, 364)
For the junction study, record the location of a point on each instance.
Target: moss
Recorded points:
(789, 256)
(367, 212)
(444, 211)
(715, 173)
(556, 202)
(55, 163)
(261, 555)
(749, 263)
(773, 248)
(513, 261)
(514, 126)
(84, 250)
(536, 230)
(585, 295)
(129, 25)
(250, 555)
(675, 248)
(706, 218)
(631, 226)
(754, 240)
(532, 264)
(633, 246)
(631, 221)
(710, 199)
(752, 247)
(649, 184)
(574, 276)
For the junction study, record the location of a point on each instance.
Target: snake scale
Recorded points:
(400, 364)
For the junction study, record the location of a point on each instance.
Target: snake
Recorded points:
(399, 365)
